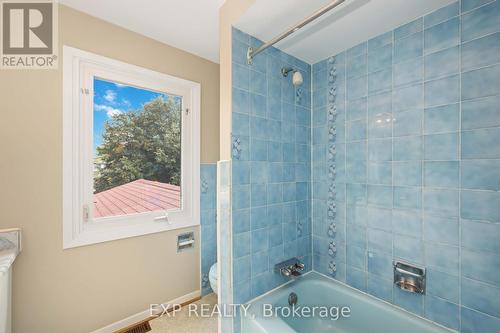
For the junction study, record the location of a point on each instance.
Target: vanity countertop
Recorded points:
(10, 246)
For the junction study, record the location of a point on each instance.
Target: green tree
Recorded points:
(145, 143)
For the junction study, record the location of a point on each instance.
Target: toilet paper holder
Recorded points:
(185, 241)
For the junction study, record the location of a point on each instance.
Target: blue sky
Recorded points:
(111, 99)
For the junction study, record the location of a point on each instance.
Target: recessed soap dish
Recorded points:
(409, 278)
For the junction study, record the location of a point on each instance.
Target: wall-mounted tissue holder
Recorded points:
(409, 278)
(185, 241)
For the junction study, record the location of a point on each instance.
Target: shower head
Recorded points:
(297, 78)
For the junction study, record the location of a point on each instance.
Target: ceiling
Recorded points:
(190, 25)
(345, 26)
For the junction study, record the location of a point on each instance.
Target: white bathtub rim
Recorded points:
(388, 303)
(256, 299)
(354, 290)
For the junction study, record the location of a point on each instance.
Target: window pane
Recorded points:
(137, 150)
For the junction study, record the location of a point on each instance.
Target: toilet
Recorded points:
(212, 277)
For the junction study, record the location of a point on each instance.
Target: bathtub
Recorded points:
(367, 313)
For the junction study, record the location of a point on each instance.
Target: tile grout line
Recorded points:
(392, 158)
(366, 162)
(311, 166)
(473, 9)
(422, 165)
(250, 159)
(344, 83)
(460, 73)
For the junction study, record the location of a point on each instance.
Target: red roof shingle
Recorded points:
(138, 196)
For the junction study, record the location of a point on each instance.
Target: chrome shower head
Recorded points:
(297, 78)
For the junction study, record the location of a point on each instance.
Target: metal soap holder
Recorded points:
(409, 278)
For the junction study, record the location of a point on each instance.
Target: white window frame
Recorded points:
(79, 227)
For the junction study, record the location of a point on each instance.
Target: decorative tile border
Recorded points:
(331, 159)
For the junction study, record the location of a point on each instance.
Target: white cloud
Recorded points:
(110, 96)
(113, 112)
(126, 103)
(110, 111)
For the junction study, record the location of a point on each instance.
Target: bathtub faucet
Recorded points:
(289, 268)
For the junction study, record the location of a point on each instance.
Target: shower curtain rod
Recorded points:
(251, 53)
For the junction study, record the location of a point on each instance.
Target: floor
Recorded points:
(183, 323)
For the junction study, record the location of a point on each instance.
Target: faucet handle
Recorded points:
(300, 265)
(289, 267)
(286, 271)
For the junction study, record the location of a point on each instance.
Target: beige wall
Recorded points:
(82, 289)
(230, 12)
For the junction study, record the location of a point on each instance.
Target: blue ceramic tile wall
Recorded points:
(208, 184)
(271, 167)
(406, 142)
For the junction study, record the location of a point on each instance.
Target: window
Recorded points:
(131, 150)
(136, 150)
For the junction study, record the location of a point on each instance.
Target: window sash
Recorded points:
(80, 69)
(91, 72)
